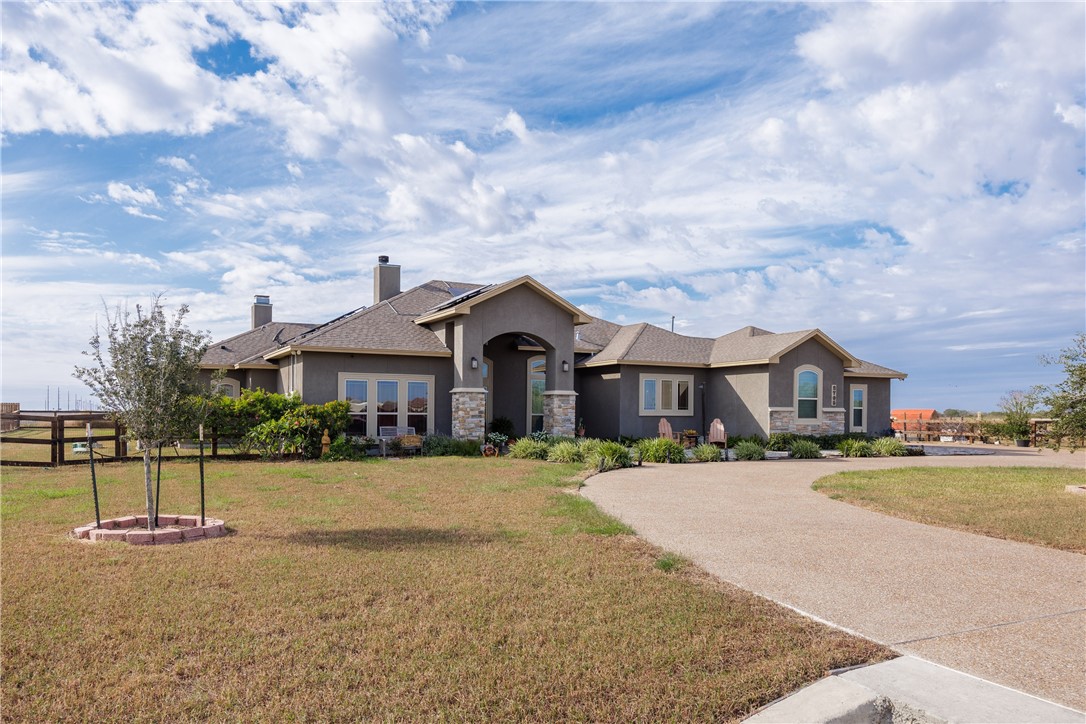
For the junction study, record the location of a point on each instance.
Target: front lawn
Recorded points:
(1023, 504)
(434, 588)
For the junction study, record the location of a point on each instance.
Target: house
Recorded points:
(913, 420)
(452, 356)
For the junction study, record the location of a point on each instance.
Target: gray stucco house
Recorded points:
(451, 356)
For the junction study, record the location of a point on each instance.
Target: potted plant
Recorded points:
(498, 441)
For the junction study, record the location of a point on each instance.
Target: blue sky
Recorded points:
(907, 177)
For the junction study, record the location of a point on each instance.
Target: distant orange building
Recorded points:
(914, 419)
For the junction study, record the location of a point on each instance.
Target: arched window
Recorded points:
(227, 387)
(537, 385)
(808, 389)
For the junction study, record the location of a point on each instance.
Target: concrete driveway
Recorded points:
(1008, 612)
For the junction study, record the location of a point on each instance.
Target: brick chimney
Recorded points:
(386, 280)
(262, 310)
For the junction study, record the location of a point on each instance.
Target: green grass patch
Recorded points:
(1017, 503)
(670, 562)
(343, 603)
(582, 516)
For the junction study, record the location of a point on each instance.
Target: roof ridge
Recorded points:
(628, 347)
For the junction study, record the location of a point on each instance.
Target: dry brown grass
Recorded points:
(1024, 504)
(433, 588)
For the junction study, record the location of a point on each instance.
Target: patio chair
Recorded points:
(717, 434)
(664, 428)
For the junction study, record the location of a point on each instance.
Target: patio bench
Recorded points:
(387, 434)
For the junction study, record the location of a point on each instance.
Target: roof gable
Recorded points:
(463, 305)
(751, 345)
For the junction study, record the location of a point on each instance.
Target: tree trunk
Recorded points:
(147, 479)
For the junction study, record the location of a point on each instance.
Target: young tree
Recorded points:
(142, 369)
(1067, 400)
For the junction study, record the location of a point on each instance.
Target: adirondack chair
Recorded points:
(717, 434)
(664, 428)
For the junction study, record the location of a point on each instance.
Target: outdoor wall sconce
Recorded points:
(474, 363)
(565, 366)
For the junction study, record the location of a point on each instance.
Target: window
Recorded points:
(227, 387)
(537, 385)
(388, 399)
(418, 405)
(666, 395)
(858, 395)
(398, 401)
(357, 395)
(808, 393)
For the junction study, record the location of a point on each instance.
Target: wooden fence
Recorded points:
(67, 433)
(8, 423)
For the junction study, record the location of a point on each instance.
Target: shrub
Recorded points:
(503, 426)
(565, 451)
(749, 450)
(851, 448)
(780, 441)
(707, 453)
(608, 455)
(660, 450)
(805, 450)
(589, 446)
(437, 444)
(540, 436)
(758, 440)
(888, 447)
(528, 449)
(347, 448)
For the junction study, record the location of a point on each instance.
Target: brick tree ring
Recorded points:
(133, 529)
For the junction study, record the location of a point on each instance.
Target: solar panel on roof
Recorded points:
(463, 297)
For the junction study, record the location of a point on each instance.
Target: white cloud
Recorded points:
(430, 183)
(177, 163)
(456, 62)
(122, 193)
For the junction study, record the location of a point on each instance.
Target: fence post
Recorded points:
(60, 439)
(53, 442)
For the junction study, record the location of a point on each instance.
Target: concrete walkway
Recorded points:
(1007, 612)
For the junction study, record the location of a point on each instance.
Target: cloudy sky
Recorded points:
(907, 177)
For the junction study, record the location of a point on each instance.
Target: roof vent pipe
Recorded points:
(386, 280)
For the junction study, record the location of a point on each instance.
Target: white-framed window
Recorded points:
(666, 394)
(227, 387)
(808, 393)
(857, 409)
(537, 385)
(387, 401)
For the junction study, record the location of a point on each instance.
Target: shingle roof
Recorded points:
(870, 369)
(244, 347)
(388, 325)
(649, 343)
(751, 344)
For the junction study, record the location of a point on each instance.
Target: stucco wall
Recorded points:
(517, 311)
(739, 397)
(878, 403)
(632, 424)
(321, 382)
(811, 352)
(598, 400)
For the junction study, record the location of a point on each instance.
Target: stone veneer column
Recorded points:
(560, 412)
(468, 413)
